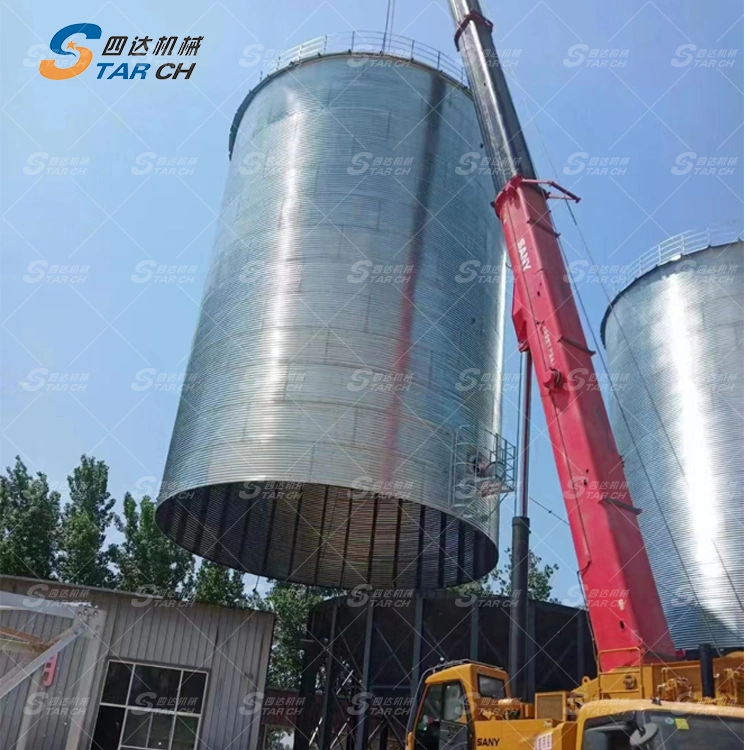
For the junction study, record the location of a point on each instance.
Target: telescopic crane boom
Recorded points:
(624, 607)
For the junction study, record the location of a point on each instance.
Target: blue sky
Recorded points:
(654, 85)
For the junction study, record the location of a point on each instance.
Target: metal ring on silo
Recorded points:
(338, 422)
(674, 341)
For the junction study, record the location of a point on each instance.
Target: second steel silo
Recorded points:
(674, 339)
(340, 416)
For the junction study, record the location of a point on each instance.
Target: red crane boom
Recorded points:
(624, 606)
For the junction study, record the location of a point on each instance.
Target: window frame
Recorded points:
(423, 704)
(609, 723)
(467, 722)
(465, 718)
(174, 712)
(481, 676)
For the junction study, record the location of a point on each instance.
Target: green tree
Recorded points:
(291, 602)
(147, 560)
(29, 519)
(216, 584)
(540, 578)
(85, 521)
(498, 581)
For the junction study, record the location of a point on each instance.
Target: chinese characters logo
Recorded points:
(115, 46)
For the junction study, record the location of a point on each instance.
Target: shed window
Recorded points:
(147, 707)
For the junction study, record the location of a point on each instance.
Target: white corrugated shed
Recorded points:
(232, 646)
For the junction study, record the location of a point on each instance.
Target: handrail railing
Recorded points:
(371, 43)
(680, 245)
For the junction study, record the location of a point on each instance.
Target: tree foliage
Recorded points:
(29, 515)
(540, 578)
(147, 560)
(85, 520)
(216, 584)
(498, 581)
(291, 603)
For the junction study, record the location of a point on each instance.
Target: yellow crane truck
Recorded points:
(468, 705)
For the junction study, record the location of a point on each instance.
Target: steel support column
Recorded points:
(474, 632)
(519, 575)
(328, 688)
(304, 726)
(417, 647)
(361, 741)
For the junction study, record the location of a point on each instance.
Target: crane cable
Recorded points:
(615, 395)
(390, 12)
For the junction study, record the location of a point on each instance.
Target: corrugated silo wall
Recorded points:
(357, 278)
(674, 341)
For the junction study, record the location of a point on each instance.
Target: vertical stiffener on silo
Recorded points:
(674, 337)
(340, 416)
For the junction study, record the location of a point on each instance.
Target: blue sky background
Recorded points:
(664, 107)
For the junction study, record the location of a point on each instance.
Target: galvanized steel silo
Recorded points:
(338, 424)
(674, 337)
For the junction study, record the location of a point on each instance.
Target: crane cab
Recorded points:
(455, 705)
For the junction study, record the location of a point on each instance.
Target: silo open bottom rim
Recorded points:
(329, 536)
